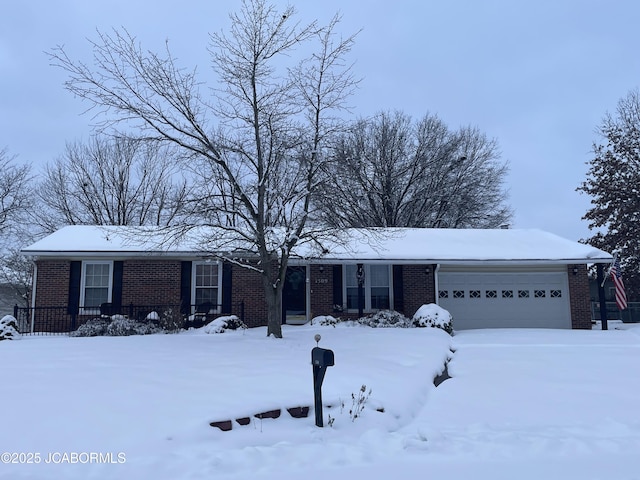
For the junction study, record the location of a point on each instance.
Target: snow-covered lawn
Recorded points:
(521, 404)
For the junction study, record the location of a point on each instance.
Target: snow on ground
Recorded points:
(524, 404)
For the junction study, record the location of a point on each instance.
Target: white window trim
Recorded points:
(367, 288)
(193, 283)
(83, 279)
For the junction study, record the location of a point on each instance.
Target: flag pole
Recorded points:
(613, 261)
(601, 296)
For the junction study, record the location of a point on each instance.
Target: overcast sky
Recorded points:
(538, 76)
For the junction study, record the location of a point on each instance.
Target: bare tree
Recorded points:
(16, 201)
(111, 181)
(389, 171)
(16, 271)
(15, 195)
(473, 193)
(264, 157)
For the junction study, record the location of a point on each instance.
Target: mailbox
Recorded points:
(322, 357)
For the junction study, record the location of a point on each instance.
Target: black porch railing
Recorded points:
(630, 315)
(58, 320)
(42, 320)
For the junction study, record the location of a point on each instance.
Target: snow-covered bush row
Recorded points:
(221, 324)
(119, 326)
(430, 315)
(9, 328)
(115, 326)
(381, 319)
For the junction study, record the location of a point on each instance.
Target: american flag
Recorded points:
(616, 276)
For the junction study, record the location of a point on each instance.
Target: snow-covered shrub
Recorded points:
(325, 321)
(432, 315)
(221, 324)
(116, 326)
(9, 328)
(95, 327)
(385, 319)
(171, 320)
(121, 326)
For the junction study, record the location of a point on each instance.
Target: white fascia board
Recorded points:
(122, 254)
(420, 261)
(111, 255)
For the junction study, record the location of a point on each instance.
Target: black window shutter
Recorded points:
(226, 288)
(185, 288)
(75, 271)
(337, 287)
(398, 289)
(116, 291)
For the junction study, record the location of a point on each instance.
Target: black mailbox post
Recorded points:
(321, 358)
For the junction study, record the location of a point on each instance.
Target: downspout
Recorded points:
(33, 294)
(307, 292)
(435, 283)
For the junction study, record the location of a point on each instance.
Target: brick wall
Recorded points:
(143, 282)
(321, 286)
(52, 283)
(579, 297)
(151, 282)
(52, 290)
(419, 287)
(247, 287)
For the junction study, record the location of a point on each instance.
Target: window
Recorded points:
(377, 287)
(443, 294)
(507, 293)
(206, 283)
(555, 293)
(458, 294)
(95, 286)
(539, 294)
(491, 294)
(380, 298)
(474, 294)
(523, 293)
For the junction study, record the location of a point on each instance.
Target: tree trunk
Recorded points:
(273, 296)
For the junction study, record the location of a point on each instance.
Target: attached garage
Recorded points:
(505, 297)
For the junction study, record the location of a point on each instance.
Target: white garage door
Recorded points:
(485, 299)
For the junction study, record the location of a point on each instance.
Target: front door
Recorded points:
(294, 296)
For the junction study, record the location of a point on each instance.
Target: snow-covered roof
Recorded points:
(350, 245)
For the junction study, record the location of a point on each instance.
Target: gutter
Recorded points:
(469, 262)
(50, 254)
(313, 260)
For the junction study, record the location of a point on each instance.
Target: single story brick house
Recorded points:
(485, 278)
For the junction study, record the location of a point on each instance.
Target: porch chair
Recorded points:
(203, 314)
